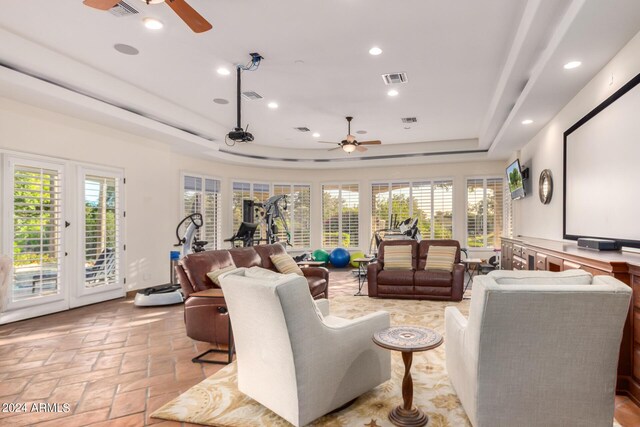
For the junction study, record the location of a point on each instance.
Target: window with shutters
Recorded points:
(36, 232)
(298, 211)
(485, 216)
(202, 194)
(340, 215)
(102, 226)
(431, 202)
(298, 214)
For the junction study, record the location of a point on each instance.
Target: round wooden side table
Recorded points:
(407, 339)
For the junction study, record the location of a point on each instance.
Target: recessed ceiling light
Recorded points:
(223, 71)
(152, 23)
(272, 105)
(361, 132)
(126, 49)
(221, 101)
(316, 135)
(375, 51)
(527, 122)
(407, 127)
(392, 92)
(571, 65)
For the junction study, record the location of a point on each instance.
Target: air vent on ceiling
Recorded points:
(409, 120)
(122, 9)
(303, 129)
(395, 78)
(251, 95)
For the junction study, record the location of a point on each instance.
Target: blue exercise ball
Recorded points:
(339, 257)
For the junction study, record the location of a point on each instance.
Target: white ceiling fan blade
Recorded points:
(333, 149)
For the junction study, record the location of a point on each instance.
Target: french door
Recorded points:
(62, 227)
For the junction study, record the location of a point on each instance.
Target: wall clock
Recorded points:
(545, 186)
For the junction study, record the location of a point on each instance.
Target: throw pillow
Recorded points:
(398, 257)
(441, 258)
(215, 274)
(285, 264)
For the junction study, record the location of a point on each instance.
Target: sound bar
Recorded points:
(598, 244)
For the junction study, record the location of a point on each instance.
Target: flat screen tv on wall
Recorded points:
(514, 178)
(601, 178)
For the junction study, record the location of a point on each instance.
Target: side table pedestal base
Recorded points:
(412, 418)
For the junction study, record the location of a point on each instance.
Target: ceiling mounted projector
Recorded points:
(238, 134)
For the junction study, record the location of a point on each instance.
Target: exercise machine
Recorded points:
(244, 235)
(399, 230)
(171, 293)
(264, 214)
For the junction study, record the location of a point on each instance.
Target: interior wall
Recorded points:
(545, 150)
(153, 174)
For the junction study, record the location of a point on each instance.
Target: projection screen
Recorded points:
(602, 170)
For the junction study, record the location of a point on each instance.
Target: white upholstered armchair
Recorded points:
(538, 349)
(294, 360)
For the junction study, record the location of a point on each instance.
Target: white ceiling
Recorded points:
(467, 63)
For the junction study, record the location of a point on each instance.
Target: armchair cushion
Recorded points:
(515, 277)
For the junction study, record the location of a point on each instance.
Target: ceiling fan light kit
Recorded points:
(350, 144)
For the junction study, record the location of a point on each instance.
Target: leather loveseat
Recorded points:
(206, 319)
(416, 283)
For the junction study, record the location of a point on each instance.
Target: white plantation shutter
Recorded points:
(475, 213)
(429, 201)
(36, 210)
(507, 209)
(330, 216)
(280, 189)
(421, 204)
(301, 216)
(340, 215)
(102, 224)
(485, 212)
(203, 195)
(442, 210)
(241, 191)
(212, 213)
(350, 210)
(379, 207)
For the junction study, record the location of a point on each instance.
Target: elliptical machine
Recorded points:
(171, 293)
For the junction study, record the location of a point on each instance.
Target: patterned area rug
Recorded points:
(217, 402)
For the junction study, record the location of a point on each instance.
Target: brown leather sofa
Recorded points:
(206, 318)
(416, 283)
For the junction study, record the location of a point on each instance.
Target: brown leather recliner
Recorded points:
(206, 318)
(416, 283)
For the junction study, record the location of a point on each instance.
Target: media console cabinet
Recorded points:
(524, 253)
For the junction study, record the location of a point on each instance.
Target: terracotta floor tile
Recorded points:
(78, 420)
(40, 390)
(105, 362)
(166, 423)
(54, 372)
(155, 403)
(82, 359)
(41, 354)
(60, 357)
(135, 420)
(13, 386)
(146, 382)
(89, 376)
(70, 393)
(134, 363)
(128, 403)
(97, 398)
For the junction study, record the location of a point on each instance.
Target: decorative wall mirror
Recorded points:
(545, 186)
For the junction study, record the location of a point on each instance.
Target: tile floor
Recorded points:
(115, 364)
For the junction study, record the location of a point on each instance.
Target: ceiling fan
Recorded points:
(193, 19)
(349, 145)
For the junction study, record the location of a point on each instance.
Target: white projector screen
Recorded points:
(602, 170)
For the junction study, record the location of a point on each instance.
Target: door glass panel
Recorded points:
(102, 223)
(37, 223)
